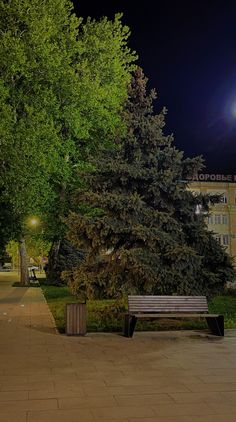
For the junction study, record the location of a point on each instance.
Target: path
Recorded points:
(154, 377)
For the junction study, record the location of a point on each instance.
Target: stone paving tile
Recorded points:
(229, 396)
(85, 402)
(13, 395)
(189, 409)
(91, 390)
(95, 383)
(78, 415)
(224, 386)
(145, 389)
(114, 420)
(136, 380)
(143, 399)
(6, 379)
(11, 416)
(216, 378)
(29, 405)
(29, 386)
(98, 375)
(63, 392)
(122, 412)
(197, 397)
(162, 419)
(206, 418)
(223, 408)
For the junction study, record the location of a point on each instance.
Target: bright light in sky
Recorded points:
(229, 110)
(233, 109)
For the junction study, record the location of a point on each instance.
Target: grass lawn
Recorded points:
(108, 315)
(103, 315)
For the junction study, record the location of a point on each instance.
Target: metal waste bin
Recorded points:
(76, 319)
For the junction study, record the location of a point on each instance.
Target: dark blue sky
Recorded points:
(188, 52)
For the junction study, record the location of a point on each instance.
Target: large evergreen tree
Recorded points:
(140, 229)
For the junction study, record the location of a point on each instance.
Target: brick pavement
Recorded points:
(154, 377)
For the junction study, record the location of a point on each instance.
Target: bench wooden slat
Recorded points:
(167, 304)
(178, 315)
(171, 310)
(167, 301)
(165, 297)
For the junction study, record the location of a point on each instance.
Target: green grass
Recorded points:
(108, 315)
(225, 305)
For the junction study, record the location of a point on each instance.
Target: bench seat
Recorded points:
(156, 307)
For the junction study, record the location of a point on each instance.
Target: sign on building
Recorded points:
(214, 177)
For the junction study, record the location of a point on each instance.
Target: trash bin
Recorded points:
(76, 319)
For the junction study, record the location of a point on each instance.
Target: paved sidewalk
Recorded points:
(154, 377)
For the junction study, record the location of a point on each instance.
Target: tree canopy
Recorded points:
(62, 85)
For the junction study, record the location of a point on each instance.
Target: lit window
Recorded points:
(217, 238)
(198, 209)
(217, 219)
(224, 198)
(225, 239)
(224, 219)
(211, 219)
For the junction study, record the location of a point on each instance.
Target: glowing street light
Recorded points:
(33, 221)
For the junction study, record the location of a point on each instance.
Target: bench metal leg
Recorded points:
(130, 323)
(216, 325)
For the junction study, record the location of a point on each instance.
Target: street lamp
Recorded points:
(33, 221)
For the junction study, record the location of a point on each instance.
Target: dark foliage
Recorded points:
(9, 226)
(62, 256)
(143, 234)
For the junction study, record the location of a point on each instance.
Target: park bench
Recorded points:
(155, 307)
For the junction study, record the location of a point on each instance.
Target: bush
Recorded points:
(108, 317)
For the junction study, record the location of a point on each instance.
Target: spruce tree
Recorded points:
(138, 223)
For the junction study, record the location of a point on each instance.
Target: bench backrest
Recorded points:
(168, 304)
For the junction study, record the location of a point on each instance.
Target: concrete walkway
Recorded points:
(154, 377)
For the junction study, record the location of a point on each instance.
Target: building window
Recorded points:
(224, 198)
(217, 238)
(224, 219)
(225, 239)
(211, 219)
(217, 219)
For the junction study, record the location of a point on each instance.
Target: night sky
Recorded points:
(188, 52)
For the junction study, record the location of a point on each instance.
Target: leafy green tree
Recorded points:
(37, 249)
(62, 85)
(13, 252)
(105, 65)
(143, 234)
(8, 225)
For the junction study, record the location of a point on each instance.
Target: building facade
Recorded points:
(222, 219)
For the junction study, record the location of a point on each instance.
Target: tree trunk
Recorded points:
(51, 267)
(51, 270)
(24, 275)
